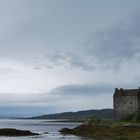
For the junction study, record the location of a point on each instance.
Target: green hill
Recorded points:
(103, 114)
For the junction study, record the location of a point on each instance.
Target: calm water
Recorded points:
(39, 126)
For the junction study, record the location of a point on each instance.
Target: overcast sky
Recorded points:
(67, 55)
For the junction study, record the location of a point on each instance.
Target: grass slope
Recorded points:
(103, 114)
(107, 130)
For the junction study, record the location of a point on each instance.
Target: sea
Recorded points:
(47, 128)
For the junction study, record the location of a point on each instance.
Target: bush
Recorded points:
(134, 118)
(95, 121)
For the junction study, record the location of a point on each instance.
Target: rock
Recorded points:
(46, 133)
(65, 130)
(15, 132)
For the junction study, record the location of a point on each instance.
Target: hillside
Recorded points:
(104, 114)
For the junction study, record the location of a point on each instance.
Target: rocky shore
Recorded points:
(15, 132)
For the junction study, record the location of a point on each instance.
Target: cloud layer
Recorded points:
(67, 55)
(117, 45)
(108, 49)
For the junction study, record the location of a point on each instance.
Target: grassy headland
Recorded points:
(125, 129)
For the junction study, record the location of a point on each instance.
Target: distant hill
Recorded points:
(103, 114)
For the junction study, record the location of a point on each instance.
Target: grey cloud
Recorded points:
(56, 58)
(117, 45)
(57, 94)
(37, 68)
(89, 90)
(6, 71)
(8, 67)
(107, 49)
(69, 60)
(84, 89)
(40, 27)
(49, 67)
(62, 97)
(78, 61)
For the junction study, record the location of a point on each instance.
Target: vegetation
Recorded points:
(126, 129)
(134, 118)
(80, 115)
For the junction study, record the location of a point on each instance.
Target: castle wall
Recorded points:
(125, 105)
(139, 102)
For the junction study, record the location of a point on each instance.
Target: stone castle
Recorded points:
(126, 102)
